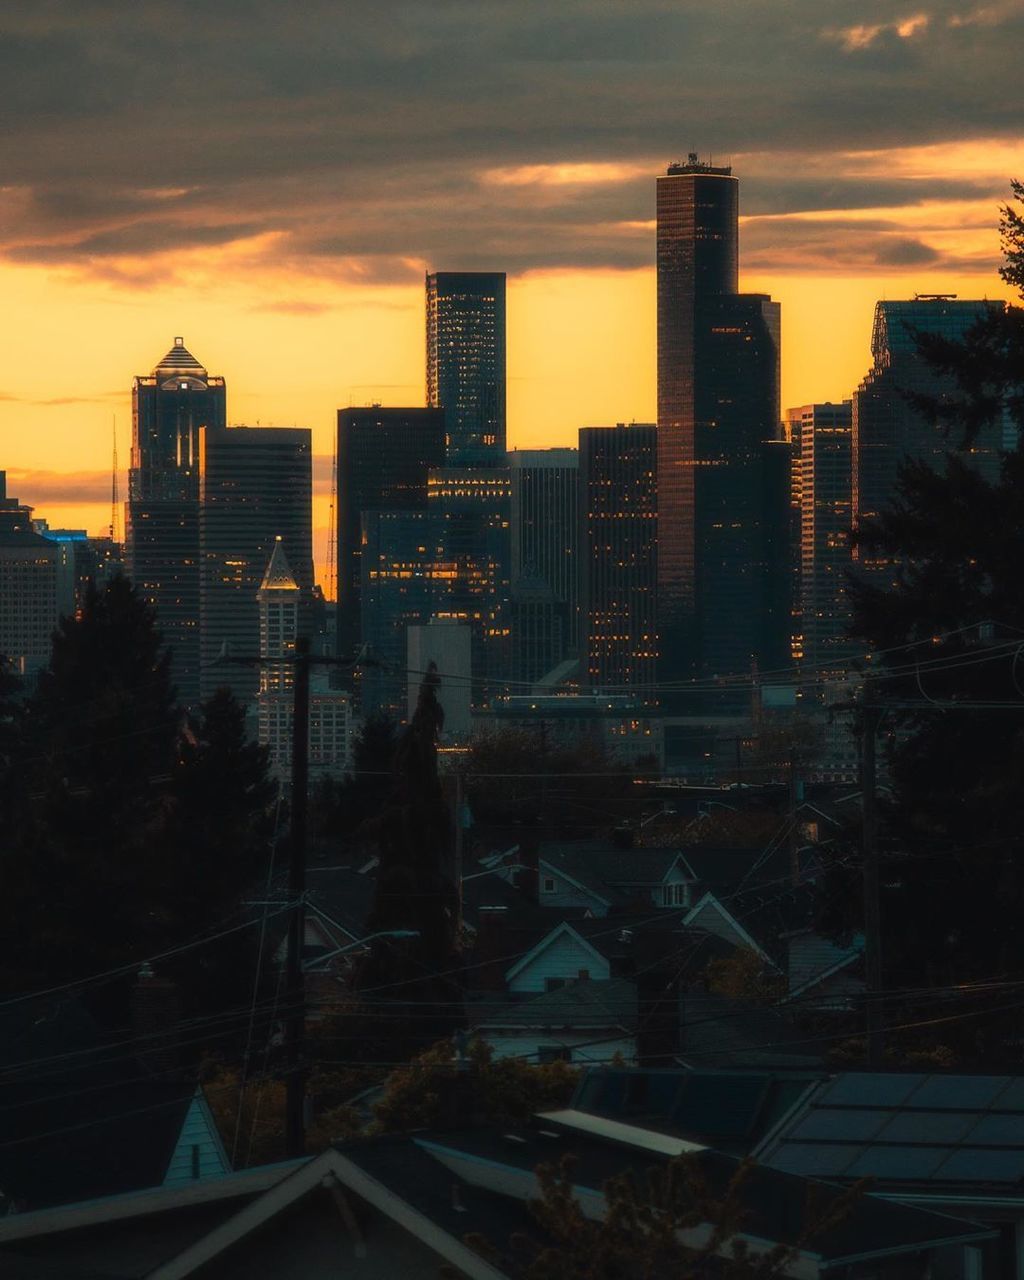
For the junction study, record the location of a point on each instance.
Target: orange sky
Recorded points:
(294, 345)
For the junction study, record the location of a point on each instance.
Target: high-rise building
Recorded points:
(444, 646)
(399, 556)
(466, 362)
(722, 489)
(36, 587)
(887, 427)
(822, 435)
(471, 510)
(545, 525)
(384, 456)
(255, 488)
(169, 406)
(618, 557)
(538, 627)
(279, 601)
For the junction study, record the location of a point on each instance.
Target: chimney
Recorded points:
(156, 1012)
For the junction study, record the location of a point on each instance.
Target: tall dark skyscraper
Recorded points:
(618, 557)
(384, 456)
(821, 435)
(255, 487)
(722, 486)
(466, 363)
(887, 428)
(169, 406)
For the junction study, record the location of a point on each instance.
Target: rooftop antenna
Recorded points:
(115, 492)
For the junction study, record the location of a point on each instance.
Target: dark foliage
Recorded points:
(950, 636)
(414, 982)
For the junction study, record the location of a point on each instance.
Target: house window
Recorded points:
(553, 1053)
(549, 884)
(553, 984)
(675, 895)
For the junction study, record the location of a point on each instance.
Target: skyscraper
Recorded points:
(169, 406)
(255, 488)
(383, 459)
(470, 508)
(887, 428)
(722, 491)
(399, 556)
(33, 578)
(466, 362)
(279, 606)
(618, 557)
(822, 434)
(545, 526)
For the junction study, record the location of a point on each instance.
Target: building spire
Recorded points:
(279, 576)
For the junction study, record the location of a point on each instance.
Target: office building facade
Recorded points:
(36, 587)
(618, 558)
(888, 428)
(545, 526)
(400, 554)
(822, 436)
(169, 407)
(722, 489)
(465, 314)
(471, 510)
(255, 488)
(384, 456)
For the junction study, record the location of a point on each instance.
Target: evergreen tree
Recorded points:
(412, 993)
(100, 742)
(953, 888)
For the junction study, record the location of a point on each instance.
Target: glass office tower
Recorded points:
(723, 586)
(466, 363)
(162, 553)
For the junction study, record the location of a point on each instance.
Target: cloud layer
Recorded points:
(365, 140)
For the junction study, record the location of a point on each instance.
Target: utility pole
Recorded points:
(794, 832)
(460, 803)
(295, 1127)
(871, 714)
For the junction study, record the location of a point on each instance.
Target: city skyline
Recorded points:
(282, 217)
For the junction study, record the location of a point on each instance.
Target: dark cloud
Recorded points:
(359, 134)
(906, 253)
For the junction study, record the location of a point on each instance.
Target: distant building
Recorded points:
(888, 428)
(822, 437)
(255, 487)
(471, 511)
(330, 717)
(618, 557)
(446, 644)
(36, 586)
(723, 563)
(538, 627)
(169, 406)
(545, 525)
(399, 556)
(466, 362)
(383, 459)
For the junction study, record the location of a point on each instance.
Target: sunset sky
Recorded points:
(270, 181)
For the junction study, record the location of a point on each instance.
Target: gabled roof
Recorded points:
(180, 360)
(609, 872)
(559, 931)
(278, 576)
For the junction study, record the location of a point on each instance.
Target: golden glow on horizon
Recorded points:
(297, 340)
